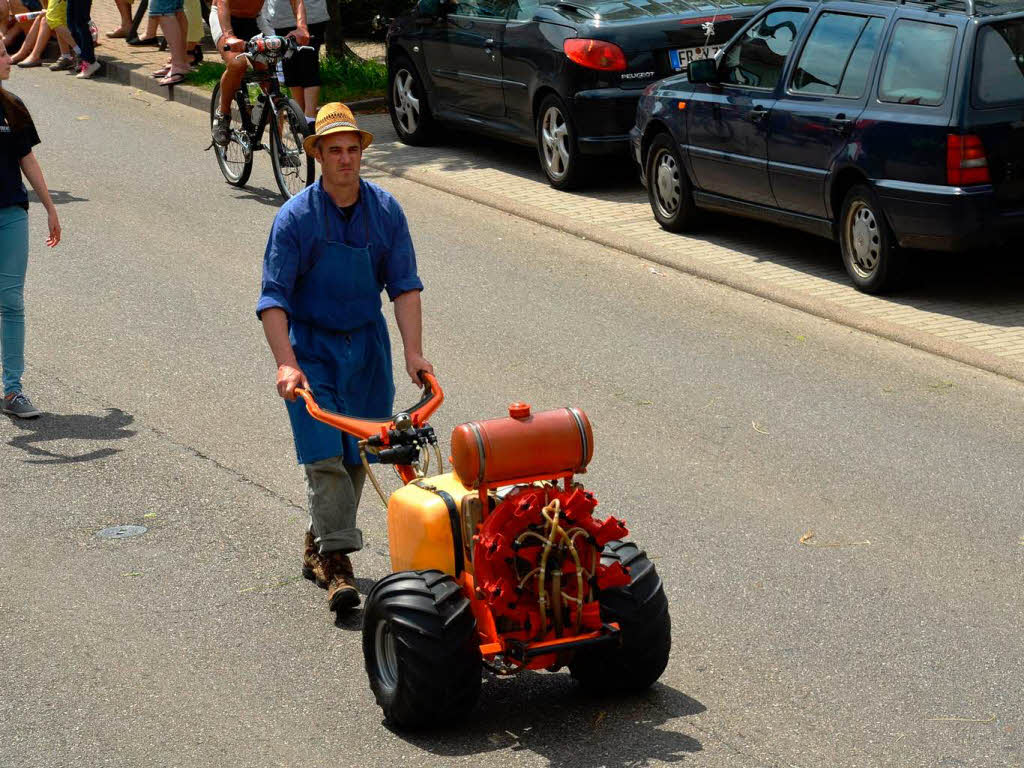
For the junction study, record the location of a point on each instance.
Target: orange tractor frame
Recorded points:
(499, 564)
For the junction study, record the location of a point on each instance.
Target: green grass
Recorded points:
(344, 79)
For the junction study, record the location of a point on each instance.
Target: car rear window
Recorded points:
(917, 63)
(837, 55)
(999, 64)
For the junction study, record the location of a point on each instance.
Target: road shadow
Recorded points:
(260, 195)
(52, 427)
(551, 716)
(59, 197)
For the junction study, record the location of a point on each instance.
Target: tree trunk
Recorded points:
(334, 37)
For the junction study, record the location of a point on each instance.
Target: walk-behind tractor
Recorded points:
(500, 563)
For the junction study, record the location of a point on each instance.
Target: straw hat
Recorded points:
(335, 118)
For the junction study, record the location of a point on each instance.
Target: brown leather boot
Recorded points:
(313, 566)
(341, 589)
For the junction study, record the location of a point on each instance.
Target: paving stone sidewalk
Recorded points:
(966, 307)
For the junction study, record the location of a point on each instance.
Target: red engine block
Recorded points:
(537, 561)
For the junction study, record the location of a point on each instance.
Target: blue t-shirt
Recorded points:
(14, 145)
(302, 229)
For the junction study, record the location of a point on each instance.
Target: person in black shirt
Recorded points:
(17, 137)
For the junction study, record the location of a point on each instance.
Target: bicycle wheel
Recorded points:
(235, 160)
(294, 170)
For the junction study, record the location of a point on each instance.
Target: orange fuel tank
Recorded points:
(523, 445)
(423, 531)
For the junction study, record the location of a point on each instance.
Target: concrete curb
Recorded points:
(190, 95)
(812, 305)
(819, 307)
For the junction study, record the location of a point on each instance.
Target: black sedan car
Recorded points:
(565, 76)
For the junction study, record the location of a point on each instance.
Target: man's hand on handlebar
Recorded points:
(301, 35)
(288, 378)
(232, 44)
(414, 364)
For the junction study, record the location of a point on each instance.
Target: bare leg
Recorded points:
(37, 50)
(30, 41)
(230, 82)
(125, 9)
(299, 94)
(173, 27)
(311, 100)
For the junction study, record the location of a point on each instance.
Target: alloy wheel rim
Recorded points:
(668, 190)
(407, 106)
(387, 655)
(554, 136)
(864, 241)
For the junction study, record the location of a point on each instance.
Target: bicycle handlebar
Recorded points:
(273, 47)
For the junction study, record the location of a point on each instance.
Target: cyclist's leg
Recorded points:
(234, 71)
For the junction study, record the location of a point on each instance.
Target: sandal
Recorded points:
(174, 78)
(162, 72)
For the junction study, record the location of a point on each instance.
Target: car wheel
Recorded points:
(871, 256)
(407, 103)
(668, 187)
(556, 144)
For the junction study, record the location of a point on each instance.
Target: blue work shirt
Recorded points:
(302, 229)
(327, 274)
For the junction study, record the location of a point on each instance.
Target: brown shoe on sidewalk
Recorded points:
(314, 567)
(341, 590)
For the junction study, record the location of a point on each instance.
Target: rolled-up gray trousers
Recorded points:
(333, 489)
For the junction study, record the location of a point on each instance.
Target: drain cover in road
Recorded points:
(122, 531)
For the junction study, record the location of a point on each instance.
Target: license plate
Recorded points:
(680, 57)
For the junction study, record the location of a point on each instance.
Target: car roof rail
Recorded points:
(967, 5)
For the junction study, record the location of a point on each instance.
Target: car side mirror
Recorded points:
(702, 71)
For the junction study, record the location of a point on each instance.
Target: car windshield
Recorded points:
(630, 9)
(999, 64)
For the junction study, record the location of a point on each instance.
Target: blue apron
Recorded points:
(341, 343)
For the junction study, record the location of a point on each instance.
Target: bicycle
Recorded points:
(293, 168)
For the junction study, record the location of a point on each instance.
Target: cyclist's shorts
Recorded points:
(57, 14)
(32, 5)
(302, 70)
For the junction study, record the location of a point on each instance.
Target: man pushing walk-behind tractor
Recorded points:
(498, 564)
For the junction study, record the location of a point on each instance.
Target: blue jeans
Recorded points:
(13, 265)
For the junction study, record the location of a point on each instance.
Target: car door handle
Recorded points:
(841, 125)
(757, 114)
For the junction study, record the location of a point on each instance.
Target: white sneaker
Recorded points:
(88, 70)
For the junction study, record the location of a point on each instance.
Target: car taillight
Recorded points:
(965, 161)
(595, 54)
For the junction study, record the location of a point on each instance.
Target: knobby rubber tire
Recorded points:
(641, 609)
(295, 117)
(424, 132)
(684, 215)
(891, 271)
(241, 179)
(577, 166)
(436, 647)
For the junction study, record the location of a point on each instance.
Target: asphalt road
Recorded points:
(728, 430)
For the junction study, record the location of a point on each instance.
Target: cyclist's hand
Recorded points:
(288, 378)
(232, 44)
(301, 35)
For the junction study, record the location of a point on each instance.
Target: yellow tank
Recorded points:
(423, 531)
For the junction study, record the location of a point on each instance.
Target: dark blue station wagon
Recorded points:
(884, 125)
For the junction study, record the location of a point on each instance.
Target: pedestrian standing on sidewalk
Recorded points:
(332, 250)
(78, 22)
(174, 24)
(301, 71)
(17, 137)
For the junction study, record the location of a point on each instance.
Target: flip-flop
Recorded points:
(175, 78)
(161, 73)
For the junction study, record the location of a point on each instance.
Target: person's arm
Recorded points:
(409, 316)
(34, 174)
(289, 375)
(224, 14)
(301, 32)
